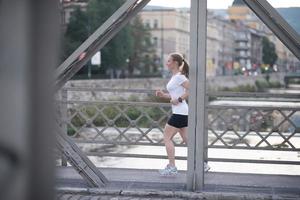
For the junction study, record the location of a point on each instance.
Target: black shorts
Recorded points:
(178, 121)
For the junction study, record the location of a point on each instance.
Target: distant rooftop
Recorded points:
(151, 8)
(238, 3)
(160, 8)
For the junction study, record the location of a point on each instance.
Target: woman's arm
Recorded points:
(162, 94)
(186, 85)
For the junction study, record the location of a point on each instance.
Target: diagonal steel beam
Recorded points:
(277, 24)
(72, 65)
(79, 160)
(97, 40)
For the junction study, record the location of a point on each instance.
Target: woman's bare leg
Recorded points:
(183, 134)
(169, 133)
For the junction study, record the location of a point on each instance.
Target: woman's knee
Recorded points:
(168, 135)
(167, 139)
(183, 135)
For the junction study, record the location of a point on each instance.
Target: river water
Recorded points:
(139, 163)
(143, 163)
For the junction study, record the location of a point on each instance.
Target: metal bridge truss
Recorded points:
(198, 103)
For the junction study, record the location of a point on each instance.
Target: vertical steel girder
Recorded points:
(277, 24)
(97, 40)
(197, 122)
(27, 63)
(196, 129)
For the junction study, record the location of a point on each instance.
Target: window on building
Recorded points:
(248, 36)
(155, 41)
(243, 61)
(147, 23)
(155, 24)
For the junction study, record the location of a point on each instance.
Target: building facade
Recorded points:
(68, 6)
(220, 46)
(287, 61)
(234, 43)
(248, 47)
(169, 29)
(239, 12)
(242, 13)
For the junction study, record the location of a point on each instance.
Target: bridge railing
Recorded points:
(235, 121)
(291, 77)
(134, 118)
(253, 121)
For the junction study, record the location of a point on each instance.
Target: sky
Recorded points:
(221, 4)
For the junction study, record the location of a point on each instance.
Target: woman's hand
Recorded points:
(159, 93)
(174, 101)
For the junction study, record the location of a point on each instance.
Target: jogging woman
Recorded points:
(177, 87)
(178, 92)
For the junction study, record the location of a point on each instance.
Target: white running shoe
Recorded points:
(168, 171)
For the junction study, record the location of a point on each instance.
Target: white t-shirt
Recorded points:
(176, 90)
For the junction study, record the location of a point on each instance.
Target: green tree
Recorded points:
(118, 50)
(83, 24)
(131, 44)
(76, 33)
(269, 52)
(143, 55)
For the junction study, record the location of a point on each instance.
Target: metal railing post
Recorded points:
(64, 116)
(206, 129)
